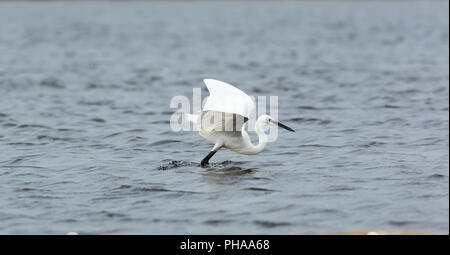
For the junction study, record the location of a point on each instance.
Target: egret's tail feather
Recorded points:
(191, 117)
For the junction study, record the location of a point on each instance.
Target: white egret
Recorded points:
(222, 120)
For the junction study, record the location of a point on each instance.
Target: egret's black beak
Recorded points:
(284, 126)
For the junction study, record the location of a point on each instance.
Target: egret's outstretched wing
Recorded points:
(212, 121)
(227, 98)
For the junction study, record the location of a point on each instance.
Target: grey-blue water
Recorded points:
(85, 142)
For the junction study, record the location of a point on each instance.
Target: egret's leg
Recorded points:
(206, 159)
(216, 147)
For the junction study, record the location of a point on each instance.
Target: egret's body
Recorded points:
(237, 140)
(222, 120)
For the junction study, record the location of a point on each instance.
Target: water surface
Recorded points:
(85, 143)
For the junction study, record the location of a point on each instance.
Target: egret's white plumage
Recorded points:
(222, 120)
(224, 97)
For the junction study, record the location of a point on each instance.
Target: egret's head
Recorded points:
(270, 121)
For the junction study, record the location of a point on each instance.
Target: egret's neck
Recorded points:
(259, 128)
